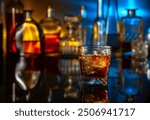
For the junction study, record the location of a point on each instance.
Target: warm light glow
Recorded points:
(30, 32)
(73, 43)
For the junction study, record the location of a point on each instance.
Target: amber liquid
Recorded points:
(94, 69)
(51, 49)
(51, 43)
(94, 66)
(30, 47)
(94, 93)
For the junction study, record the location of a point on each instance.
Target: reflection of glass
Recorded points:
(131, 79)
(139, 60)
(94, 65)
(69, 63)
(27, 73)
(27, 46)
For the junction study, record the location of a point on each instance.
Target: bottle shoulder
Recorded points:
(50, 25)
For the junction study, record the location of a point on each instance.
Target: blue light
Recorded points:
(131, 4)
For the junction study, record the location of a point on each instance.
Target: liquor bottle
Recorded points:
(134, 54)
(51, 28)
(84, 27)
(25, 58)
(114, 28)
(99, 35)
(14, 14)
(132, 29)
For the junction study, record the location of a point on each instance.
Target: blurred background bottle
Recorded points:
(14, 14)
(25, 59)
(84, 29)
(99, 35)
(113, 28)
(132, 29)
(134, 54)
(51, 28)
(1, 46)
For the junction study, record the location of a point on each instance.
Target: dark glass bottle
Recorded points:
(14, 14)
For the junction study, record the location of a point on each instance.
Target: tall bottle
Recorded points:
(51, 27)
(113, 28)
(132, 29)
(14, 14)
(25, 58)
(134, 53)
(99, 36)
(84, 30)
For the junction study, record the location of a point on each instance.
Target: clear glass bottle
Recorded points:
(113, 28)
(99, 35)
(132, 29)
(14, 14)
(83, 31)
(26, 56)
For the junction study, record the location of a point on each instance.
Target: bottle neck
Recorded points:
(83, 12)
(99, 8)
(50, 12)
(131, 12)
(28, 13)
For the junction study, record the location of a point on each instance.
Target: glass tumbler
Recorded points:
(94, 66)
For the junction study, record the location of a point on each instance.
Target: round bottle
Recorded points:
(28, 46)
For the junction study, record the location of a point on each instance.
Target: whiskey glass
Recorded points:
(94, 66)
